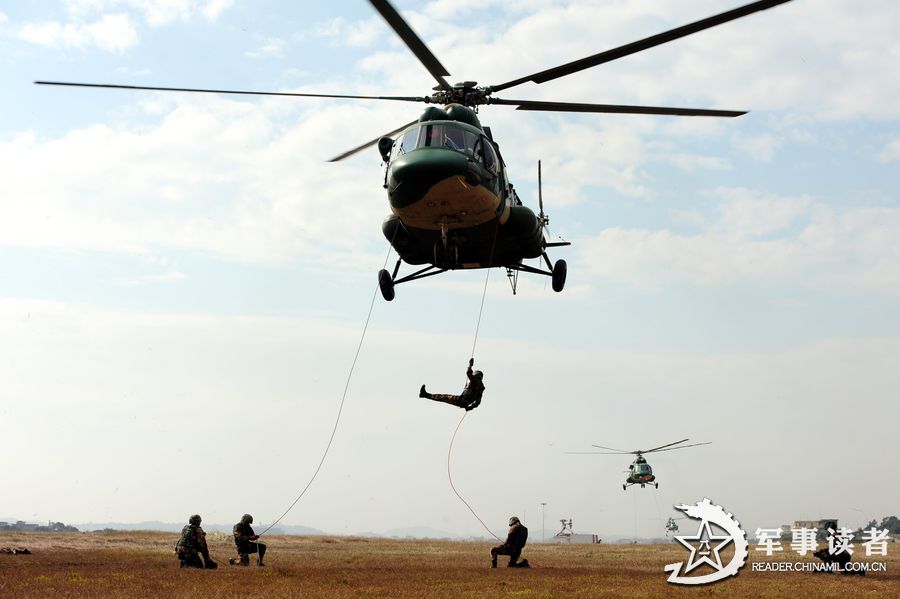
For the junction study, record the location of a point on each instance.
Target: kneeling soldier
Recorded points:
(243, 540)
(515, 542)
(192, 545)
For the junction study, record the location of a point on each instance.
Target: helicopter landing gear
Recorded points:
(445, 257)
(558, 276)
(386, 284)
(624, 487)
(656, 484)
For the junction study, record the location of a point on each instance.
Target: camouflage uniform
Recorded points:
(191, 546)
(469, 399)
(515, 542)
(242, 532)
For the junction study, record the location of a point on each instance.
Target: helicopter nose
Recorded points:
(411, 176)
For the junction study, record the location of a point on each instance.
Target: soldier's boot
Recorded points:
(182, 563)
(231, 561)
(493, 562)
(262, 553)
(245, 559)
(524, 564)
(423, 392)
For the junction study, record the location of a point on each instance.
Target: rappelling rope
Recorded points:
(474, 342)
(337, 420)
(484, 291)
(452, 486)
(656, 501)
(634, 495)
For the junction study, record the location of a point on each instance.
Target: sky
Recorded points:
(185, 280)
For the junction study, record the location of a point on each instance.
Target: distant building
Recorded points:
(568, 536)
(821, 526)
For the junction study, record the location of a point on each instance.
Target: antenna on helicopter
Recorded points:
(543, 219)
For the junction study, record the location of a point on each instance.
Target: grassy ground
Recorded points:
(142, 564)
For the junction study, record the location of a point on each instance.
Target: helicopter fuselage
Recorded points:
(640, 473)
(452, 205)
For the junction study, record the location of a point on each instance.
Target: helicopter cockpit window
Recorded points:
(406, 142)
(471, 139)
(454, 139)
(643, 469)
(440, 136)
(490, 156)
(432, 136)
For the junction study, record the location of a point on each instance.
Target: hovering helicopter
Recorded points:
(672, 525)
(640, 472)
(452, 203)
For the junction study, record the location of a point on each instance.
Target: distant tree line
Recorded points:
(21, 526)
(892, 523)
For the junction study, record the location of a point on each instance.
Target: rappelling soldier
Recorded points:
(244, 538)
(515, 542)
(469, 399)
(192, 545)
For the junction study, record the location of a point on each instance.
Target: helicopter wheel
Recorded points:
(624, 487)
(657, 485)
(558, 276)
(446, 258)
(386, 284)
(440, 255)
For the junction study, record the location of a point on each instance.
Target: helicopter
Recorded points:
(640, 472)
(452, 203)
(672, 525)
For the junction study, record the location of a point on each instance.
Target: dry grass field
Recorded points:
(143, 565)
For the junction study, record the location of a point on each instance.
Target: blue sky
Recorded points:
(184, 279)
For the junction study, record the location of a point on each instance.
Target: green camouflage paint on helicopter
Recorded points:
(452, 203)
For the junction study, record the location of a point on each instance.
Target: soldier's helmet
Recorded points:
(247, 519)
(513, 520)
(478, 374)
(195, 520)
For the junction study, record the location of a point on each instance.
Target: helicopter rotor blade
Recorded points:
(666, 445)
(611, 449)
(612, 108)
(231, 91)
(372, 142)
(595, 452)
(685, 446)
(640, 45)
(412, 41)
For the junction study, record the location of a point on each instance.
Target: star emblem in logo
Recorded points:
(705, 546)
(704, 538)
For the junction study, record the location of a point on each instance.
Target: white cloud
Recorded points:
(342, 32)
(213, 175)
(759, 147)
(272, 47)
(890, 152)
(111, 33)
(759, 239)
(3, 18)
(804, 57)
(154, 12)
(173, 276)
(214, 8)
(746, 214)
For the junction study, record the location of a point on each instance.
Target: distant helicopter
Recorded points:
(640, 472)
(452, 203)
(672, 525)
